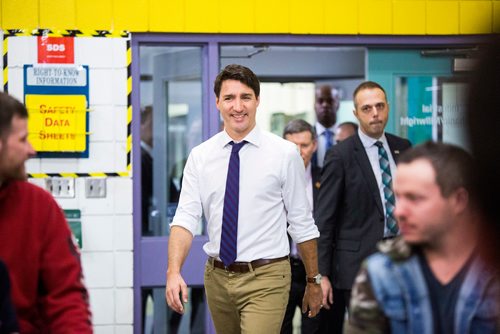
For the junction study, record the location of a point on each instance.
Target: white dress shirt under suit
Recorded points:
(321, 150)
(271, 194)
(372, 153)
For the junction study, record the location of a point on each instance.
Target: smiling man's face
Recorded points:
(237, 105)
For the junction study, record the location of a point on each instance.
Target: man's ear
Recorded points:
(315, 143)
(460, 199)
(217, 103)
(355, 113)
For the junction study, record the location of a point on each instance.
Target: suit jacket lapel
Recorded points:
(366, 169)
(394, 146)
(316, 177)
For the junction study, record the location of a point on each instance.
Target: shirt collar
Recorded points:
(369, 141)
(320, 128)
(309, 170)
(253, 137)
(147, 148)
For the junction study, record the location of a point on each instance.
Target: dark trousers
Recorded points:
(332, 320)
(297, 289)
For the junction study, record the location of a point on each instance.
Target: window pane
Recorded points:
(431, 108)
(159, 318)
(171, 88)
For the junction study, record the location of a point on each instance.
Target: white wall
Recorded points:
(107, 249)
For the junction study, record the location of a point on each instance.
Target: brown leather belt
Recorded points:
(244, 267)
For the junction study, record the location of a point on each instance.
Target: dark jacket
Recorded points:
(349, 211)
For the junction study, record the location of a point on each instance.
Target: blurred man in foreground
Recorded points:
(36, 243)
(430, 279)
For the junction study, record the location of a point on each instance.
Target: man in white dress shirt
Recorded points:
(248, 294)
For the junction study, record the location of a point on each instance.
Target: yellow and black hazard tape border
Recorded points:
(76, 175)
(129, 105)
(65, 33)
(5, 67)
(78, 33)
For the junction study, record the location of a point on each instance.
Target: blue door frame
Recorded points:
(150, 253)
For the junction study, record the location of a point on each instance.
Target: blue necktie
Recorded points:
(390, 201)
(229, 235)
(328, 139)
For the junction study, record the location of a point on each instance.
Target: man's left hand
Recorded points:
(312, 300)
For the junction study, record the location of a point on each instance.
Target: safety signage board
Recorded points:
(56, 97)
(58, 50)
(57, 122)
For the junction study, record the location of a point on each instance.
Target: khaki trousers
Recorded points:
(247, 303)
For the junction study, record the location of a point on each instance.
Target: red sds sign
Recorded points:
(56, 50)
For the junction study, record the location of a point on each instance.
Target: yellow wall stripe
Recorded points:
(261, 16)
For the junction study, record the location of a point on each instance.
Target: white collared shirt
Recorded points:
(147, 148)
(372, 153)
(321, 150)
(309, 186)
(271, 194)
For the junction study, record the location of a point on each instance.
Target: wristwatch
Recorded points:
(315, 279)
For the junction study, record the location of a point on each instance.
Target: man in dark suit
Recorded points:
(326, 106)
(304, 136)
(355, 202)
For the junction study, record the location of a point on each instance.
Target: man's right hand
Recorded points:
(326, 286)
(176, 287)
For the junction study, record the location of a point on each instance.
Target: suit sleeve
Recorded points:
(63, 294)
(330, 197)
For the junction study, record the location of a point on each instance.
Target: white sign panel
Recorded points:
(57, 75)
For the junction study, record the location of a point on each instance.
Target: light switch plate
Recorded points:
(61, 187)
(95, 187)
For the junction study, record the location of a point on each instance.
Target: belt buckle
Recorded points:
(227, 270)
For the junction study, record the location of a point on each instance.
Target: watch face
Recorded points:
(315, 279)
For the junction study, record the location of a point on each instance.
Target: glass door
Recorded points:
(171, 125)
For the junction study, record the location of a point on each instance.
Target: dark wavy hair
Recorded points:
(454, 167)
(239, 73)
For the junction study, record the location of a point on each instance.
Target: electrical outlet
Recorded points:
(95, 187)
(62, 187)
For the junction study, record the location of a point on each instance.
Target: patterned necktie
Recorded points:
(229, 235)
(390, 202)
(328, 139)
